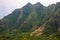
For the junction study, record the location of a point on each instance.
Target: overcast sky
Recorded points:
(7, 6)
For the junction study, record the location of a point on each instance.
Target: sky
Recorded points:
(7, 6)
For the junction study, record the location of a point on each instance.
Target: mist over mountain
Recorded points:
(34, 19)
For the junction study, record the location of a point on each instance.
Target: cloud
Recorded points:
(7, 6)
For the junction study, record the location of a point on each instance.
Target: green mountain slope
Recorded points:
(30, 21)
(51, 24)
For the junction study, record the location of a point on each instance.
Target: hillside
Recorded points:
(32, 20)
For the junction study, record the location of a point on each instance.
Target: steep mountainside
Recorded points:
(36, 19)
(51, 24)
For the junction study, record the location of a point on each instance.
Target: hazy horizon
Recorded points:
(7, 6)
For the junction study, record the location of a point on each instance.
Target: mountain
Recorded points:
(34, 19)
(29, 16)
(52, 23)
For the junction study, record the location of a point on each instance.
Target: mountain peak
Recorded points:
(29, 3)
(58, 4)
(38, 3)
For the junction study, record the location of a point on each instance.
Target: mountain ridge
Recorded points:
(30, 17)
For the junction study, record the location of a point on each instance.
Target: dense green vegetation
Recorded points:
(25, 36)
(21, 22)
